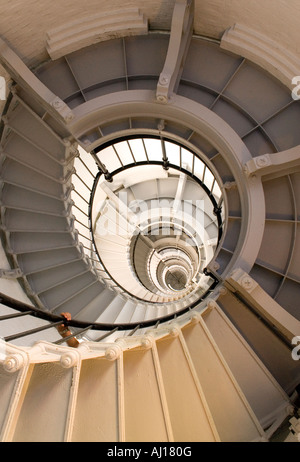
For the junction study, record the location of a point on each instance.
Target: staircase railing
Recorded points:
(89, 167)
(82, 327)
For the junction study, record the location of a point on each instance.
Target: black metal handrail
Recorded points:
(216, 207)
(81, 326)
(217, 210)
(109, 328)
(55, 320)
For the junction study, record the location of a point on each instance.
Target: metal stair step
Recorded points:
(111, 311)
(40, 261)
(45, 280)
(22, 175)
(65, 290)
(19, 220)
(80, 299)
(26, 242)
(94, 307)
(18, 197)
(27, 123)
(18, 149)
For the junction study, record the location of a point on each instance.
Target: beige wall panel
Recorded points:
(8, 382)
(43, 415)
(96, 414)
(261, 390)
(144, 418)
(231, 414)
(189, 419)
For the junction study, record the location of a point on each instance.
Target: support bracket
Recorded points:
(181, 34)
(241, 282)
(11, 274)
(274, 165)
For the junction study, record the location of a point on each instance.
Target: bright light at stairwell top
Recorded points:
(125, 216)
(154, 227)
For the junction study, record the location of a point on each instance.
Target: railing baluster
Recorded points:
(15, 315)
(84, 164)
(164, 155)
(80, 210)
(107, 334)
(85, 237)
(31, 331)
(69, 337)
(82, 224)
(83, 182)
(134, 330)
(118, 157)
(131, 151)
(144, 146)
(75, 191)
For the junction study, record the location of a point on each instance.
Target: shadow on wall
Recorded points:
(163, 19)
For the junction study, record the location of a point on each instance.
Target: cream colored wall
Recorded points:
(278, 19)
(24, 23)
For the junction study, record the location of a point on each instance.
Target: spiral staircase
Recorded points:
(157, 201)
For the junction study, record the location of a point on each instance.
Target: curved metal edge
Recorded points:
(138, 103)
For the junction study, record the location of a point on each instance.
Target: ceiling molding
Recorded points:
(263, 51)
(91, 29)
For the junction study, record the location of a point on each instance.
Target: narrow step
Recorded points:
(50, 278)
(29, 125)
(139, 313)
(17, 174)
(112, 310)
(79, 299)
(125, 314)
(62, 292)
(21, 198)
(27, 242)
(48, 259)
(19, 220)
(19, 150)
(96, 306)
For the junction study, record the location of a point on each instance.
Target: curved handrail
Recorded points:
(217, 210)
(55, 320)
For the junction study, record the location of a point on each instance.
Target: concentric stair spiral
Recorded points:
(91, 225)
